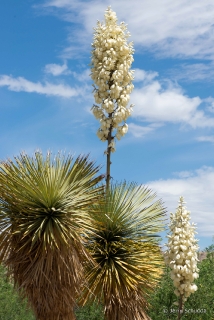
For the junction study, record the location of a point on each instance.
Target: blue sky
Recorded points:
(46, 93)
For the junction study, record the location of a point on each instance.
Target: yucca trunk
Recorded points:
(48, 279)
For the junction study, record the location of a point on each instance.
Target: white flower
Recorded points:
(111, 144)
(183, 248)
(125, 128)
(118, 136)
(193, 288)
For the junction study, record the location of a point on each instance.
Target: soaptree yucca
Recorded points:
(44, 219)
(125, 247)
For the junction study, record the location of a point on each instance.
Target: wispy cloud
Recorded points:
(140, 131)
(194, 72)
(59, 3)
(197, 188)
(50, 89)
(165, 28)
(184, 174)
(206, 139)
(59, 70)
(83, 76)
(56, 69)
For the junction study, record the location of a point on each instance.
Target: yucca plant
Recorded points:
(126, 249)
(44, 221)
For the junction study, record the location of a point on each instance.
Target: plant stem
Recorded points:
(180, 306)
(108, 164)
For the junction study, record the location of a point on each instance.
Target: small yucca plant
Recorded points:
(125, 247)
(44, 219)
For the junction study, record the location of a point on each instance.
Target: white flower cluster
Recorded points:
(111, 60)
(181, 255)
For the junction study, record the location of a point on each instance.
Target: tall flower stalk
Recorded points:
(181, 255)
(112, 57)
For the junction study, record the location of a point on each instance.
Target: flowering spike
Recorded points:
(111, 60)
(181, 255)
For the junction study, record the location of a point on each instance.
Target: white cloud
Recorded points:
(165, 102)
(21, 84)
(145, 76)
(206, 139)
(140, 131)
(56, 69)
(197, 188)
(171, 28)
